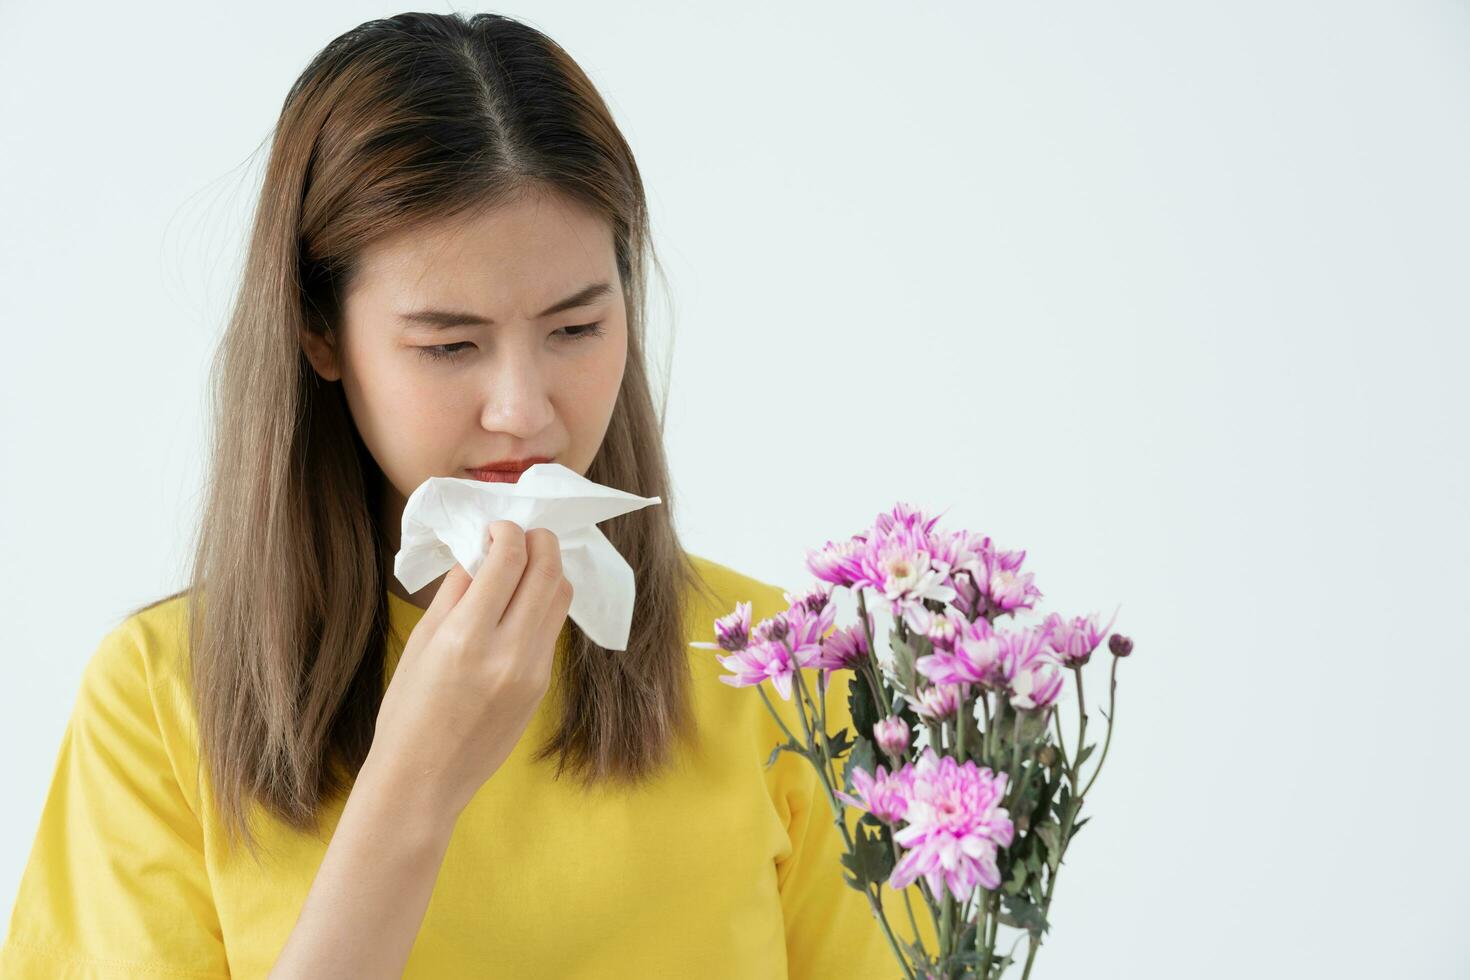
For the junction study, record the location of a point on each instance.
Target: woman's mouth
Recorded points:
(495, 476)
(505, 470)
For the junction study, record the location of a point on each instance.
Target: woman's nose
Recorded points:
(517, 397)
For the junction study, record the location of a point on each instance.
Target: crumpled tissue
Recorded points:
(445, 518)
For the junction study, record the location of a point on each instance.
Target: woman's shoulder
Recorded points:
(149, 641)
(136, 678)
(727, 586)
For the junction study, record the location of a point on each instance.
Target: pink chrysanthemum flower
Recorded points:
(732, 631)
(955, 826)
(903, 572)
(1073, 642)
(764, 660)
(973, 659)
(997, 574)
(884, 796)
(814, 600)
(937, 702)
(964, 549)
(904, 516)
(940, 628)
(1033, 678)
(810, 617)
(845, 648)
(969, 601)
(1002, 580)
(894, 558)
(839, 563)
(892, 735)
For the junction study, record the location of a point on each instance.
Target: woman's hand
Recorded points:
(475, 667)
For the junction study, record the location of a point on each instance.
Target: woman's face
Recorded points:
(433, 395)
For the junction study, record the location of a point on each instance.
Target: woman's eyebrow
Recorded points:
(439, 319)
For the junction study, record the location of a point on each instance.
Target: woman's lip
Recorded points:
(498, 476)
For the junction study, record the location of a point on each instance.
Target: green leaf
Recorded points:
(920, 957)
(1019, 874)
(1078, 826)
(840, 743)
(1082, 756)
(1033, 726)
(1064, 801)
(1022, 914)
(1051, 835)
(965, 941)
(870, 861)
(861, 706)
(999, 964)
(904, 656)
(861, 757)
(789, 746)
(973, 735)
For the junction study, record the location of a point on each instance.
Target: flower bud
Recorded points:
(1120, 645)
(1048, 755)
(892, 735)
(967, 596)
(773, 630)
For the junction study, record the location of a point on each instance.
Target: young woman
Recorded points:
(293, 768)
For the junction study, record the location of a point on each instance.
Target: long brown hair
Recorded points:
(399, 121)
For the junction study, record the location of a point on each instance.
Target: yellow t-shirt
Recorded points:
(719, 868)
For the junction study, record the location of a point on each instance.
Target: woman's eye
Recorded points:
(449, 352)
(586, 330)
(443, 352)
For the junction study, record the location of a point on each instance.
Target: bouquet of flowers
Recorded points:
(977, 794)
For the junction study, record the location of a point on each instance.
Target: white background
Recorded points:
(1171, 295)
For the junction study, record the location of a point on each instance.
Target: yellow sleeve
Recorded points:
(831, 929)
(115, 886)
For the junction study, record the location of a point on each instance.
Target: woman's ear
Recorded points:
(322, 354)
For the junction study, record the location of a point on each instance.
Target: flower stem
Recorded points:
(1051, 882)
(1081, 727)
(992, 902)
(822, 702)
(874, 673)
(759, 689)
(1034, 943)
(1016, 749)
(1020, 789)
(960, 727)
(1112, 688)
(946, 918)
(985, 735)
(907, 904)
(874, 900)
(1056, 717)
(981, 949)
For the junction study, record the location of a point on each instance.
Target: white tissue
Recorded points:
(445, 519)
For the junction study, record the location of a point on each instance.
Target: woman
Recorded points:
(294, 778)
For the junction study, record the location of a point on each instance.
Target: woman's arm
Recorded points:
(369, 896)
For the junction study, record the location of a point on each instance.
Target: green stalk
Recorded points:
(1112, 688)
(874, 901)
(960, 729)
(981, 916)
(1056, 717)
(992, 901)
(1081, 726)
